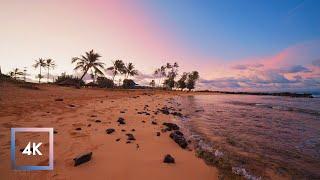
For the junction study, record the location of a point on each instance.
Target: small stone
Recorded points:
(98, 121)
(123, 130)
(58, 99)
(131, 137)
(118, 139)
(163, 130)
(82, 158)
(168, 159)
(154, 123)
(110, 130)
(55, 132)
(78, 129)
(143, 121)
(121, 121)
(158, 133)
(128, 142)
(89, 125)
(71, 105)
(133, 130)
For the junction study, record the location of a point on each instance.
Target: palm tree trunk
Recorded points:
(40, 74)
(85, 72)
(48, 75)
(114, 75)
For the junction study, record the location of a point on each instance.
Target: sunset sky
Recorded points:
(270, 45)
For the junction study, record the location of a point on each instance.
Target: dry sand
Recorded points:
(20, 107)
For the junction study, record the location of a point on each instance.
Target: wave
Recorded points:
(277, 107)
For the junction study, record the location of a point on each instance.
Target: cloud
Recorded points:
(263, 80)
(296, 69)
(221, 83)
(247, 66)
(316, 62)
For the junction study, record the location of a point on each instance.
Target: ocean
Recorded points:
(259, 133)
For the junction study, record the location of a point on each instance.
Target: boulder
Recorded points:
(171, 126)
(110, 130)
(130, 137)
(178, 137)
(164, 110)
(82, 158)
(121, 121)
(177, 114)
(168, 159)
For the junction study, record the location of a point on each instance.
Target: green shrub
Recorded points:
(69, 80)
(104, 82)
(128, 84)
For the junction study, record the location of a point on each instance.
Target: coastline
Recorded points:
(141, 158)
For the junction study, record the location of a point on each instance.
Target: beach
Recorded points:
(80, 118)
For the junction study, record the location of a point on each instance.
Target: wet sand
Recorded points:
(80, 108)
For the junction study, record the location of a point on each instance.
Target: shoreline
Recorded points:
(141, 158)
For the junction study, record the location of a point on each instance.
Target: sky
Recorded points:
(236, 45)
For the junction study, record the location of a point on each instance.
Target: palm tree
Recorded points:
(88, 61)
(162, 72)
(50, 64)
(40, 63)
(130, 71)
(156, 73)
(94, 75)
(118, 67)
(16, 72)
(192, 78)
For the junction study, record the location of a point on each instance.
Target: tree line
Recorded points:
(90, 63)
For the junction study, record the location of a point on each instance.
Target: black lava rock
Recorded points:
(171, 126)
(110, 130)
(121, 121)
(177, 114)
(131, 137)
(168, 159)
(78, 129)
(82, 158)
(178, 137)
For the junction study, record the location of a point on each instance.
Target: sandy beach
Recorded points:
(80, 119)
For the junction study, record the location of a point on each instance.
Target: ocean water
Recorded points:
(281, 134)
